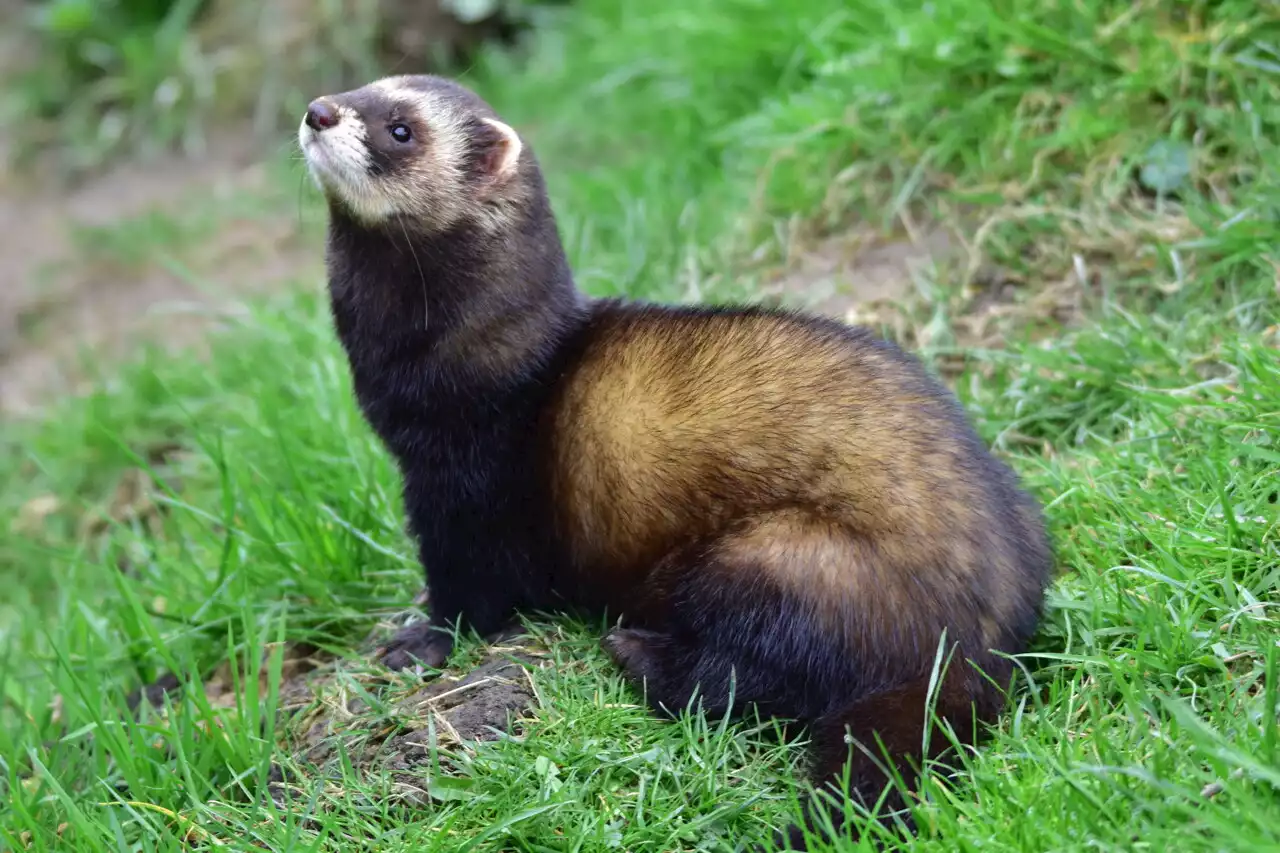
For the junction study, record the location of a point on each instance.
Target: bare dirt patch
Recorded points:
(918, 288)
(63, 300)
(343, 713)
(972, 280)
(855, 268)
(333, 724)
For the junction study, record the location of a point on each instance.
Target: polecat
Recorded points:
(773, 503)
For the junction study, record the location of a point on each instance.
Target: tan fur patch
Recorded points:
(851, 582)
(835, 462)
(813, 557)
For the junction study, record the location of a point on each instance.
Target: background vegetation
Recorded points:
(104, 78)
(1107, 310)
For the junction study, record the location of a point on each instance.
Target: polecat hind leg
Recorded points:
(782, 613)
(658, 663)
(714, 625)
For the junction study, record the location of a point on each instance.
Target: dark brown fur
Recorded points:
(774, 504)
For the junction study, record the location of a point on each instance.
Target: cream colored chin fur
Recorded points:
(338, 161)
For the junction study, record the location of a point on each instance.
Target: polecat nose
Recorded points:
(320, 115)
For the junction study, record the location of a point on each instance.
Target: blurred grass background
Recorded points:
(101, 78)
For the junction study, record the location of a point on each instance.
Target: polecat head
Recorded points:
(419, 148)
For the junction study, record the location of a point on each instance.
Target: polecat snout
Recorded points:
(760, 495)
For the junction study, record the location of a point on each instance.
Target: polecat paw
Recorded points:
(421, 643)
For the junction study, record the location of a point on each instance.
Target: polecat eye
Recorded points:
(401, 132)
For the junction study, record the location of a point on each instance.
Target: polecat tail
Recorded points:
(882, 736)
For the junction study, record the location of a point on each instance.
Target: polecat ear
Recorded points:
(499, 150)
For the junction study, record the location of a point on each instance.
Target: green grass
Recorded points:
(687, 147)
